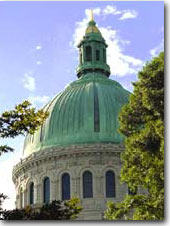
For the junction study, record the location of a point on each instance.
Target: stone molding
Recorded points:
(37, 158)
(52, 163)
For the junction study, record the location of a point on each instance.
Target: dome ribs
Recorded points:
(108, 116)
(85, 112)
(72, 109)
(114, 109)
(70, 112)
(81, 110)
(64, 105)
(65, 113)
(103, 110)
(51, 108)
(89, 109)
(53, 125)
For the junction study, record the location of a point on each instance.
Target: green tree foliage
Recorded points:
(57, 210)
(23, 119)
(141, 122)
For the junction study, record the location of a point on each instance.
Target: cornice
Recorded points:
(74, 151)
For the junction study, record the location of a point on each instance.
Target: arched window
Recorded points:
(46, 188)
(87, 185)
(88, 52)
(65, 186)
(110, 184)
(97, 55)
(31, 192)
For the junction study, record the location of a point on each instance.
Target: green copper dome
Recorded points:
(87, 110)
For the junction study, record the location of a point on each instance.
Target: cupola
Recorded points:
(92, 52)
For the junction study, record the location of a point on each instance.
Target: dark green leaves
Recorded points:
(56, 210)
(5, 149)
(141, 122)
(23, 119)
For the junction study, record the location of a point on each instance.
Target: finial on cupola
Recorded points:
(91, 15)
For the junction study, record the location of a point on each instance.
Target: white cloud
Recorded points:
(39, 62)
(97, 11)
(39, 100)
(155, 51)
(38, 47)
(79, 31)
(29, 81)
(128, 14)
(111, 10)
(120, 63)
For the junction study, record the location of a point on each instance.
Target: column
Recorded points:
(39, 194)
(24, 198)
(93, 52)
(74, 192)
(53, 191)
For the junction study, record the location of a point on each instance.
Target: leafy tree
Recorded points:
(23, 119)
(141, 122)
(57, 210)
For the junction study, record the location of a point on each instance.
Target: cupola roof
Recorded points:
(92, 28)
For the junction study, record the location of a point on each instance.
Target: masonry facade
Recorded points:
(97, 159)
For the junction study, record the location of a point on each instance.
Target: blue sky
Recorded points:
(38, 56)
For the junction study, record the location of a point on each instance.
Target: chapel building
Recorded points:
(76, 152)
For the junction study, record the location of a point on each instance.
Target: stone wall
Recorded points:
(52, 163)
